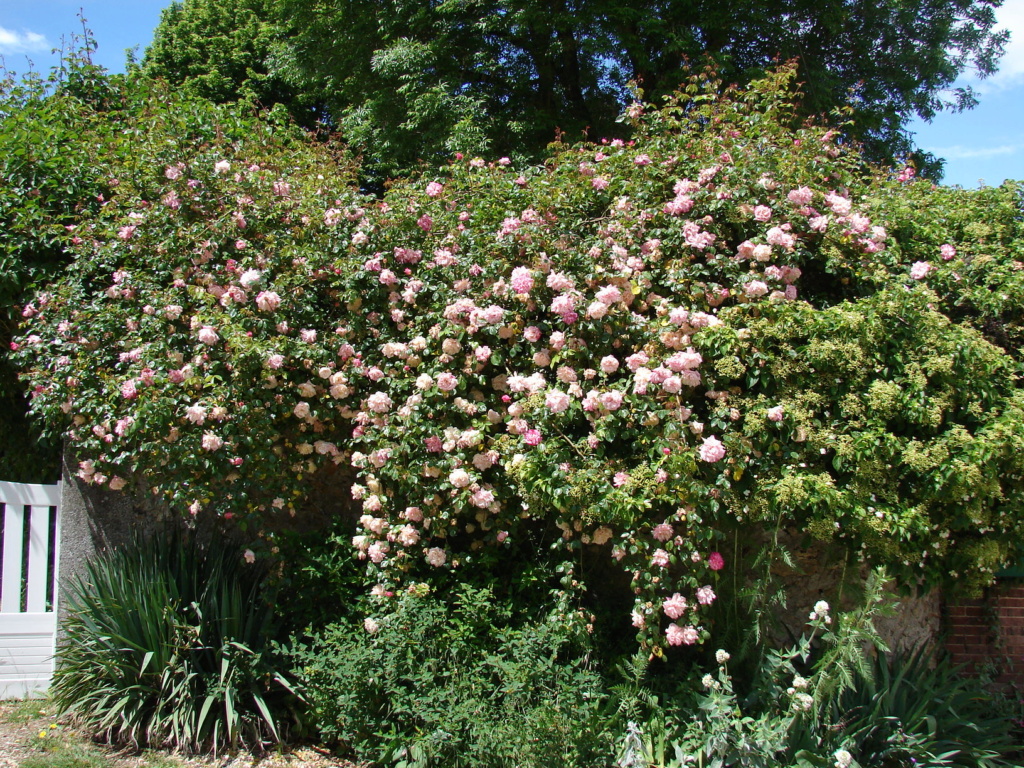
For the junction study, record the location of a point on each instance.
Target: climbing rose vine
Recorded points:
(648, 347)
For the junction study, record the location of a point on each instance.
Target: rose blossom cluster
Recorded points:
(481, 365)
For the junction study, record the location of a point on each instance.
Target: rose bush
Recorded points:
(648, 347)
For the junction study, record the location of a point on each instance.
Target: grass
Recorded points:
(62, 752)
(40, 740)
(48, 744)
(22, 712)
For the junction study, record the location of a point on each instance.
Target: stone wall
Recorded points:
(916, 620)
(94, 520)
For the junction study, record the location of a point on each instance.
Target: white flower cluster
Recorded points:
(821, 611)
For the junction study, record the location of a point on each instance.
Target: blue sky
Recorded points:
(984, 144)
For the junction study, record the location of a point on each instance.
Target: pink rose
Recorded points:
(436, 556)
(611, 400)
(557, 401)
(379, 402)
(677, 635)
(920, 270)
(755, 289)
(712, 450)
(208, 336)
(706, 595)
(522, 281)
(674, 606)
(268, 301)
(800, 196)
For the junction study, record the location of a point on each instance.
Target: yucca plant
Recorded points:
(167, 643)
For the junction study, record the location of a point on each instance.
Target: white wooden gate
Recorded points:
(28, 587)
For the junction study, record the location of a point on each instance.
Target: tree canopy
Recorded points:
(219, 51)
(407, 81)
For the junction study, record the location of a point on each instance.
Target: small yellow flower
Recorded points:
(42, 734)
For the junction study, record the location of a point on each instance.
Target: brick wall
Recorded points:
(989, 630)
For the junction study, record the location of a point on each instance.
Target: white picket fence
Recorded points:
(28, 587)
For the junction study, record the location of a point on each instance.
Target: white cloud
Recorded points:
(1009, 16)
(12, 42)
(960, 152)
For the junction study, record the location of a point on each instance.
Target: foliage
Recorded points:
(774, 721)
(457, 681)
(611, 349)
(47, 180)
(412, 82)
(167, 644)
(218, 51)
(979, 277)
(914, 707)
(833, 699)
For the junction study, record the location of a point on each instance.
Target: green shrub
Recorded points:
(456, 682)
(167, 644)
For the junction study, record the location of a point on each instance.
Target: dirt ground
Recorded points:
(30, 733)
